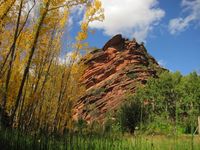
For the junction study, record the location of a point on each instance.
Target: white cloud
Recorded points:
(64, 60)
(162, 63)
(70, 23)
(181, 23)
(132, 18)
(67, 58)
(75, 16)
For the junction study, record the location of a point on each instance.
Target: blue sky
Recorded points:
(170, 29)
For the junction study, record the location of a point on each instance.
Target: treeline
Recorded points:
(168, 104)
(38, 88)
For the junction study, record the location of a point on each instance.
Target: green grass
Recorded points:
(15, 140)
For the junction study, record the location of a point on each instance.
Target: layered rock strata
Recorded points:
(113, 72)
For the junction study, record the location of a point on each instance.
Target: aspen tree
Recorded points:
(38, 90)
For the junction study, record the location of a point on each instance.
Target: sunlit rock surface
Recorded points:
(113, 72)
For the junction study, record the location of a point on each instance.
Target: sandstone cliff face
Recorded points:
(112, 73)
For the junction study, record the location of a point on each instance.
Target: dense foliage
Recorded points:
(39, 81)
(167, 104)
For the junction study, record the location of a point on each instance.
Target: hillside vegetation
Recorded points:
(114, 98)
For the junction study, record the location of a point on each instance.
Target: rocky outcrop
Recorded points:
(113, 72)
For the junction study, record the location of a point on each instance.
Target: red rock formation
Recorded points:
(112, 72)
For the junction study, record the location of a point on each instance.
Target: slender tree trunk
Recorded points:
(12, 49)
(62, 91)
(29, 61)
(15, 39)
(22, 104)
(199, 125)
(59, 101)
(45, 61)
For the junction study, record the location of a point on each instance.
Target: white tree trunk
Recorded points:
(199, 125)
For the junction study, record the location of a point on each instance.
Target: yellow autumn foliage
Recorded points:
(37, 87)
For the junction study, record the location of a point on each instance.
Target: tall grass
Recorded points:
(14, 140)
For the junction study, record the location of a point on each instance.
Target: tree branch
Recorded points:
(68, 4)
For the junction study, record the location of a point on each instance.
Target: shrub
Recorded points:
(131, 115)
(132, 75)
(98, 91)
